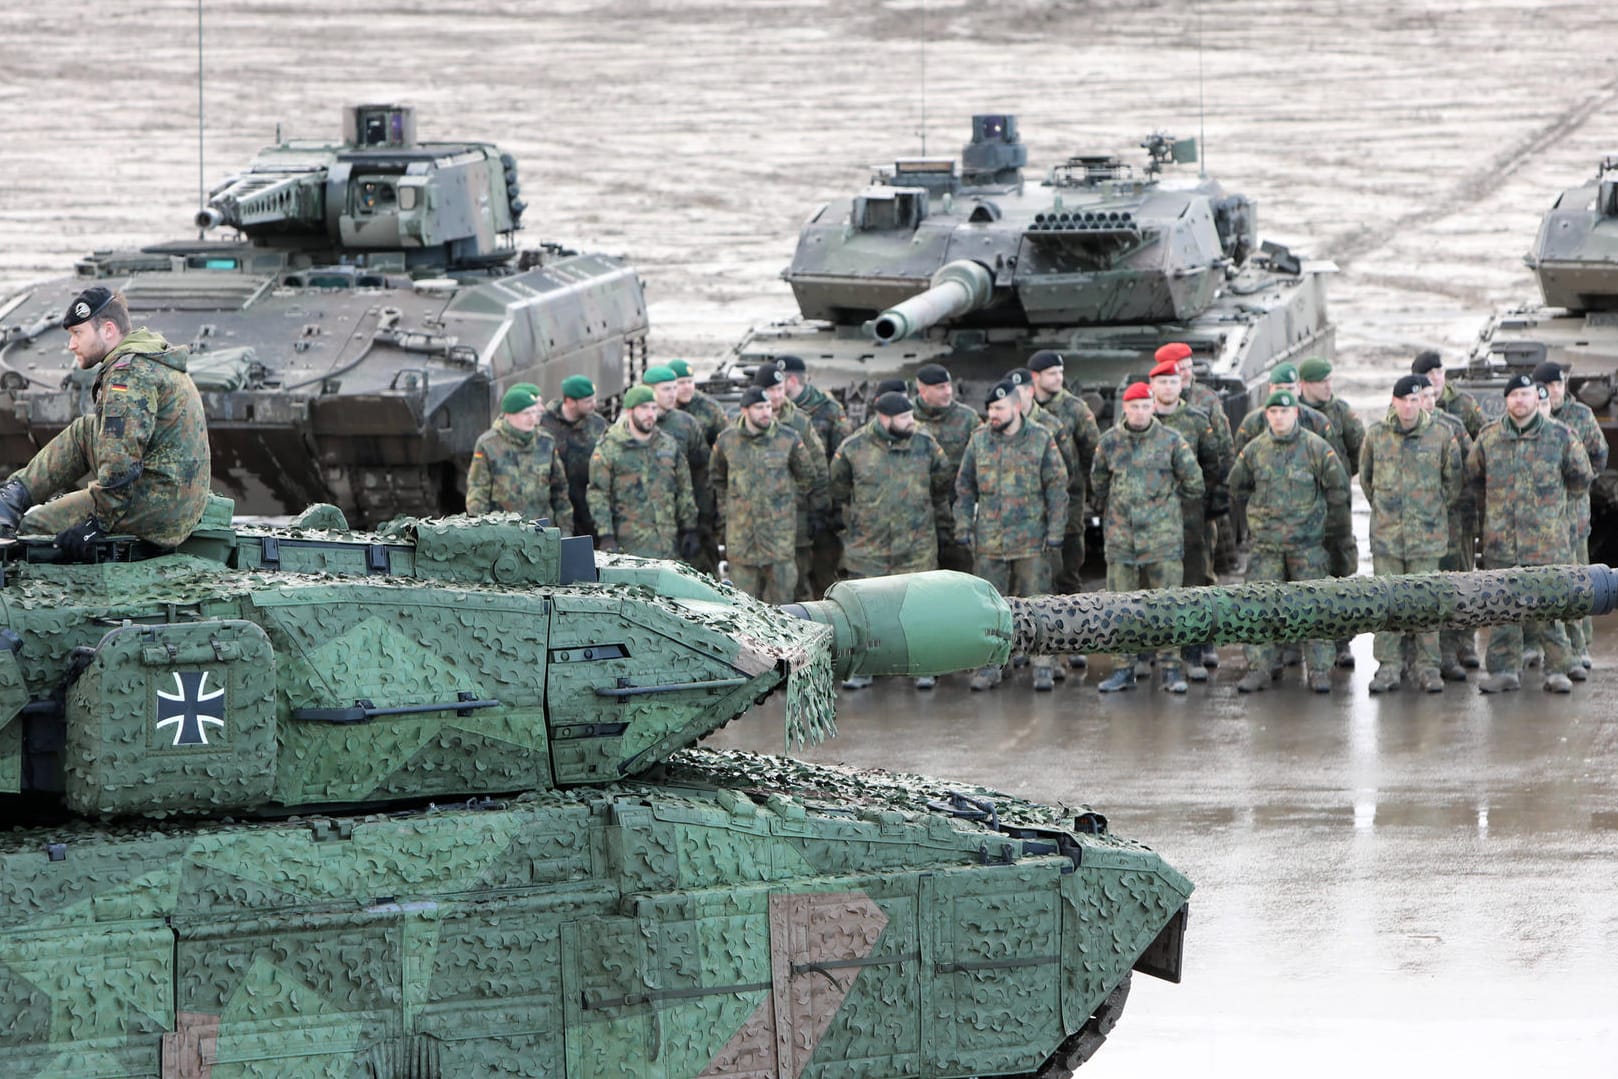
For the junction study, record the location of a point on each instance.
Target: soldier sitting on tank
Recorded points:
(145, 447)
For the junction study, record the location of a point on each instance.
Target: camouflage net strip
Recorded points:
(1300, 610)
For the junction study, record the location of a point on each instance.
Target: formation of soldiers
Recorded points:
(798, 499)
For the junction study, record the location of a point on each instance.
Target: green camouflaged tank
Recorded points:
(419, 804)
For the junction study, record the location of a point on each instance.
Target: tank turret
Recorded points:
(352, 324)
(969, 264)
(425, 802)
(1575, 255)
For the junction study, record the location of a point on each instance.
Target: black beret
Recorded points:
(1549, 371)
(790, 365)
(1000, 391)
(1518, 382)
(890, 385)
(1426, 361)
(753, 396)
(1020, 376)
(1044, 359)
(767, 375)
(1410, 384)
(893, 404)
(932, 374)
(86, 305)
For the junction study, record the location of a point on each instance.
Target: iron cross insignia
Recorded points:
(191, 705)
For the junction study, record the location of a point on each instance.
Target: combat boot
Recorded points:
(1345, 657)
(1558, 683)
(1121, 679)
(1577, 672)
(1452, 670)
(1174, 679)
(1431, 681)
(1254, 682)
(1191, 657)
(1078, 661)
(1319, 682)
(1210, 657)
(859, 681)
(1500, 682)
(1044, 680)
(1468, 656)
(14, 502)
(985, 678)
(1143, 664)
(926, 681)
(1385, 680)
(1291, 655)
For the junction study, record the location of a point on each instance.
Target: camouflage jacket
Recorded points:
(894, 493)
(826, 415)
(1350, 430)
(815, 502)
(1465, 504)
(755, 476)
(951, 427)
(1206, 400)
(1526, 479)
(686, 430)
(1291, 485)
(519, 472)
(640, 492)
(1464, 407)
(1085, 434)
(1011, 493)
(1309, 418)
(708, 413)
(1411, 478)
(1138, 480)
(149, 463)
(1577, 415)
(1202, 437)
(575, 442)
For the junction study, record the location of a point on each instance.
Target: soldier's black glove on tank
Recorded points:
(77, 543)
(690, 546)
(14, 502)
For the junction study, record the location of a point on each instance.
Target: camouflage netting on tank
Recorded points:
(1300, 610)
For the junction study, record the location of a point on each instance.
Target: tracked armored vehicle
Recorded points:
(426, 803)
(971, 265)
(1575, 258)
(354, 325)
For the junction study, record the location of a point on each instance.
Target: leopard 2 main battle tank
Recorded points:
(969, 265)
(1575, 259)
(353, 334)
(425, 804)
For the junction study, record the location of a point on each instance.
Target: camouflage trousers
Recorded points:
(1067, 567)
(897, 562)
(1580, 632)
(1461, 556)
(1505, 651)
(1197, 570)
(771, 582)
(1388, 647)
(825, 554)
(1145, 577)
(1298, 564)
(1029, 576)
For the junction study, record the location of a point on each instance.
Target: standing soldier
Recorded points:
(1458, 403)
(640, 485)
(145, 447)
(1292, 483)
(1456, 649)
(1011, 509)
(688, 432)
(1200, 434)
(708, 413)
(1577, 415)
(951, 423)
(1284, 379)
(758, 467)
(1221, 543)
(576, 427)
(1314, 390)
(1528, 471)
(813, 516)
(1411, 471)
(1143, 473)
(1052, 395)
(892, 484)
(831, 427)
(1061, 428)
(515, 466)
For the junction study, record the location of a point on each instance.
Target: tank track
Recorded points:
(1082, 1045)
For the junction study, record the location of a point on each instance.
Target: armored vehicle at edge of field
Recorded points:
(354, 335)
(1575, 260)
(222, 854)
(967, 264)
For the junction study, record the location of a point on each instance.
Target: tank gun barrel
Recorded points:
(258, 199)
(958, 288)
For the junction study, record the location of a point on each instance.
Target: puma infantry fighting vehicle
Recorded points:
(971, 265)
(354, 328)
(423, 804)
(1575, 258)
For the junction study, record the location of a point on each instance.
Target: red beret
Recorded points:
(1166, 367)
(1136, 391)
(1173, 352)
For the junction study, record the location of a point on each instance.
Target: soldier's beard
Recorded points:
(648, 429)
(1000, 427)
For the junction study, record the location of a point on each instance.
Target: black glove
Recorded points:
(14, 502)
(77, 543)
(689, 545)
(607, 543)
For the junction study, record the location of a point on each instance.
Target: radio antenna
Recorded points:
(923, 78)
(1202, 111)
(202, 186)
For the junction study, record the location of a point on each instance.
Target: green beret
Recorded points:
(529, 386)
(1281, 399)
(1284, 372)
(518, 398)
(657, 374)
(1314, 369)
(680, 368)
(578, 387)
(638, 395)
